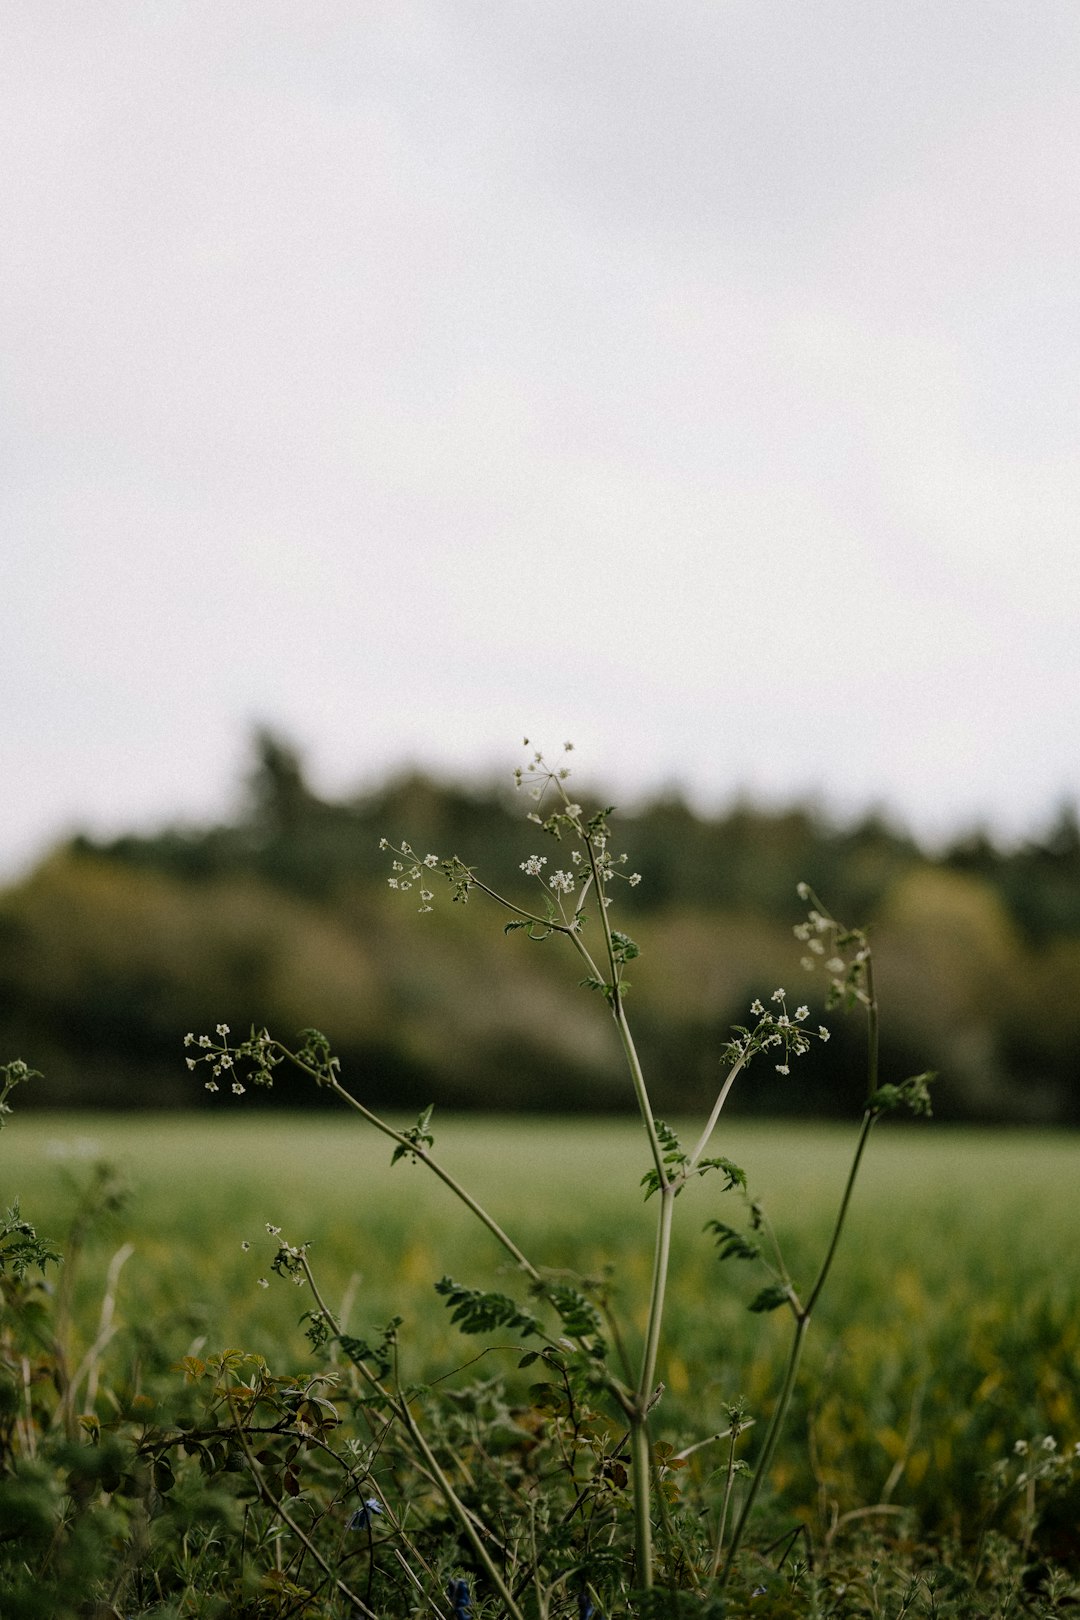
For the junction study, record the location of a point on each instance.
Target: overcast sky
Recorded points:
(700, 382)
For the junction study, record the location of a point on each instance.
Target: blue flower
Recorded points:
(361, 1519)
(458, 1593)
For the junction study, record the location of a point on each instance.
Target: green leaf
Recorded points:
(418, 1137)
(770, 1298)
(579, 1316)
(733, 1244)
(476, 1311)
(912, 1094)
(733, 1176)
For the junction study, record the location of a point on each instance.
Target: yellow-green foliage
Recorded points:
(948, 1332)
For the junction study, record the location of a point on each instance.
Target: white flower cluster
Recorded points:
(409, 868)
(219, 1058)
(222, 1058)
(845, 952)
(537, 776)
(779, 1029)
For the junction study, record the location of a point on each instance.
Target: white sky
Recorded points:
(700, 381)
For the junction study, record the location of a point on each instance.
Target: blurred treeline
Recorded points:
(110, 952)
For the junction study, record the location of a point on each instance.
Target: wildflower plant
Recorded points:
(599, 1397)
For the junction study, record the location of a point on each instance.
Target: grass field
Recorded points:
(951, 1327)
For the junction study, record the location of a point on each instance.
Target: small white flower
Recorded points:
(531, 867)
(778, 995)
(803, 891)
(245, 1245)
(807, 962)
(383, 843)
(188, 1039)
(634, 879)
(393, 882)
(835, 964)
(782, 1068)
(223, 1029)
(211, 1085)
(801, 1013)
(274, 1231)
(263, 1283)
(1049, 1444)
(561, 882)
(757, 1008)
(823, 1032)
(238, 1090)
(191, 1063)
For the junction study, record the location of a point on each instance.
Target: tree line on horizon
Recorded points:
(110, 951)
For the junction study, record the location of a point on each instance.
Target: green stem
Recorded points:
(639, 1470)
(418, 1151)
(279, 1509)
(400, 1407)
(841, 1214)
(769, 1446)
(710, 1126)
(661, 1264)
(803, 1312)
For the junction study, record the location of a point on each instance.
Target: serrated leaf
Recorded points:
(733, 1244)
(770, 1298)
(579, 1316)
(733, 1176)
(474, 1310)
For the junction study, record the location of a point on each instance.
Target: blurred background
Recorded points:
(384, 383)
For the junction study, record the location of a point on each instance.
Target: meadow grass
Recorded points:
(951, 1327)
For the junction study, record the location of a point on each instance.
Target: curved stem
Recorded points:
(803, 1313)
(841, 1214)
(399, 1405)
(769, 1446)
(710, 1126)
(279, 1509)
(418, 1151)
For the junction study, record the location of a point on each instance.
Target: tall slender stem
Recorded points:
(418, 1151)
(769, 1445)
(803, 1312)
(710, 1124)
(661, 1265)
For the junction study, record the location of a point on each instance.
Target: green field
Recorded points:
(950, 1329)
